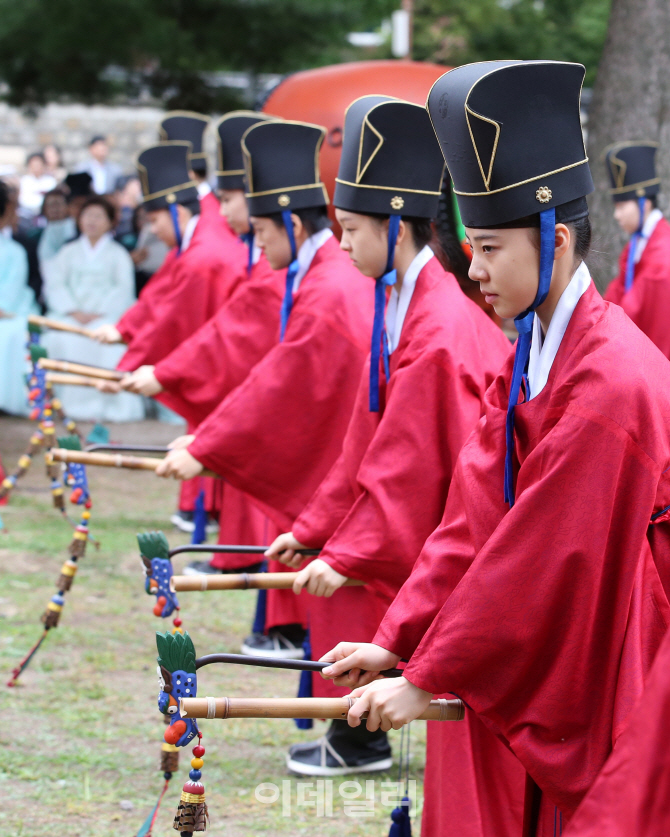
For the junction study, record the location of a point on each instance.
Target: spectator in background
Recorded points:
(127, 196)
(54, 162)
(16, 302)
(104, 174)
(60, 227)
(91, 282)
(27, 235)
(34, 186)
(78, 188)
(149, 253)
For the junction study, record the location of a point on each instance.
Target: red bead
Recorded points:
(176, 622)
(199, 751)
(158, 610)
(88, 504)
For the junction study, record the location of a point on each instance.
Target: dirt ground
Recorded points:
(80, 736)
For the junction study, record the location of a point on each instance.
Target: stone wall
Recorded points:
(70, 127)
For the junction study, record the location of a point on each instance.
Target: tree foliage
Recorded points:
(458, 31)
(55, 48)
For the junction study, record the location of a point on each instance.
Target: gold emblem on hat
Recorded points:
(171, 198)
(640, 193)
(544, 194)
(283, 200)
(397, 202)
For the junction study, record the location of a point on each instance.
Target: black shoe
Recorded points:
(283, 643)
(343, 749)
(200, 568)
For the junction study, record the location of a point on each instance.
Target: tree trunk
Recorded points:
(631, 101)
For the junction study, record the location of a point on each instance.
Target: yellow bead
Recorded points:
(197, 763)
(86, 515)
(47, 412)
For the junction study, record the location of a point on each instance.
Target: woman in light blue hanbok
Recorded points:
(16, 302)
(91, 282)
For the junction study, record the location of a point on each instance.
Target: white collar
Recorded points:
(255, 253)
(7, 231)
(188, 232)
(93, 249)
(307, 252)
(396, 310)
(543, 352)
(203, 189)
(649, 226)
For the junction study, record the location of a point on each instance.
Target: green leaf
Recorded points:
(153, 545)
(69, 442)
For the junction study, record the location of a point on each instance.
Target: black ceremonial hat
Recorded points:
(230, 129)
(391, 162)
(187, 126)
(632, 170)
(511, 134)
(79, 184)
(164, 175)
(281, 160)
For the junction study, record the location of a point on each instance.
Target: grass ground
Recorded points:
(80, 736)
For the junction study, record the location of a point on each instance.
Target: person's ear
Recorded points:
(563, 241)
(402, 232)
(298, 229)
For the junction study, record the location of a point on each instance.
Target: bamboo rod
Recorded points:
(227, 707)
(240, 581)
(71, 380)
(55, 325)
(108, 460)
(80, 369)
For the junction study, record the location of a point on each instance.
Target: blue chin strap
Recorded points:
(379, 346)
(175, 222)
(637, 235)
(248, 239)
(287, 304)
(524, 324)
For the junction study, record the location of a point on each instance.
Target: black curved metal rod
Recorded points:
(134, 448)
(224, 547)
(271, 662)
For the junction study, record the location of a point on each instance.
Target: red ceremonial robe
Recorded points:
(630, 797)
(204, 369)
(648, 301)
(546, 617)
(188, 293)
(278, 434)
(379, 504)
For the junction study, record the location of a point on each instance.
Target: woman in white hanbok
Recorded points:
(91, 282)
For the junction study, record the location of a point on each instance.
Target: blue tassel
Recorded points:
(637, 235)
(258, 626)
(287, 303)
(401, 825)
(200, 519)
(305, 687)
(175, 223)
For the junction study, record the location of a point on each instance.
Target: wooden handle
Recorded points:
(71, 380)
(227, 707)
(80, 369)
(240, 581)
(108, 460)
(55, 325)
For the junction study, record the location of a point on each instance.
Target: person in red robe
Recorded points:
(630, 796)
(277, 435)
(199, 275)
(541, 599)
(196, 376)
(187, 126)
(642, 286)
(386, 492)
